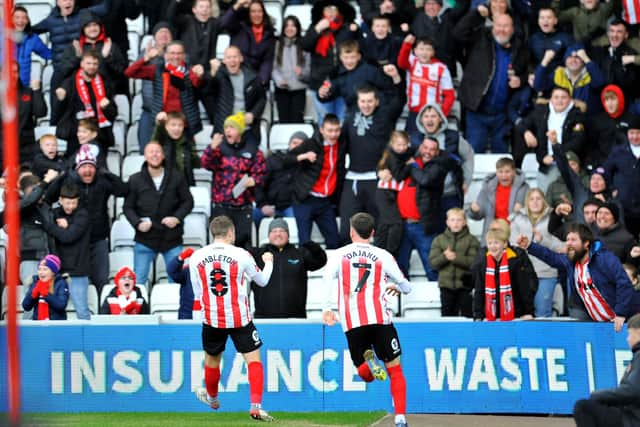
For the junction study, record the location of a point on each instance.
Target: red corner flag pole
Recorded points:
(8, 93)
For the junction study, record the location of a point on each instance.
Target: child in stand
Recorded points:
(389, 231)
(88, 134)
(48, 295)
(380, 47)
(632, 272)
(452, 254)
(126, 297)
(179, 148)
(48, 157)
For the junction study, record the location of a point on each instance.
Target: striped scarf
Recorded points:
(594, 302)
(97, 86)
(507, 311)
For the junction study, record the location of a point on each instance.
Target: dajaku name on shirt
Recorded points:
(361, 253)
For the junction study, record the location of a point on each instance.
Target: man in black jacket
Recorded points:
(285, 295)
(619, 406)
(157, 203)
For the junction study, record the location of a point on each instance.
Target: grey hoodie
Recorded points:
(464, 148)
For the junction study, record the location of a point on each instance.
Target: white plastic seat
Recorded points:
(165, 299)
(38, 11)
(316, 296)
(136, 108)
(122, 234)
(201, 201)
(114, 160)
(195, 231)
(203, 138)
(124, 109)
(472, 193)
(485, 164)
(47, 72)
(131, 164)
(119, 136)
(302, 12)
(530, 166)
(133, 146)
(20, 291)
(136, 25)
(160, 270)
(422, 301)
(280, 134)
(475, 228)
(92, 302)
(263, 232)
(416, 269)
(38, 131)
(119, 259)
(222, 44)
(274, 10)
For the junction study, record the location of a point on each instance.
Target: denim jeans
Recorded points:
(543, 301)
(258, 215)
(143, 256)
(78, 294)
(336, 106)
(321, 211)
(487, 129)
(414, 237)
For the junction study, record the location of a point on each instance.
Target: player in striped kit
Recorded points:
(365, 276)
(220, 276)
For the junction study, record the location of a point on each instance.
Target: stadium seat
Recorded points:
(473, 191)
(530, 166)
(558, 301)
(114, 160)
(119, 259)
(302, 12)
(124, 109)
(36, 70)
(160, 271)
(137, 25)
(422, 301)
(133, 146)
(121, 236)
(316, 235)
(475, 228)
(316, 297)
(485, 164)
(203, 138)
(131, 164)
(118, 207)
(280, 134)
(47, 72)
(38, 11)
(136, 108)
(222, 44)
(165, 299)
(195, 231)
(20, 290)
(119, 135)
(38, 131)
(134, 46)
(416, 269)
(274, 10)
(263, 232)
(201, 201)
(92, 301)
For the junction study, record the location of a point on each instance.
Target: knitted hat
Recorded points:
(85, 157)
(613, 208)
(237, 121)
(571, 50)
(298, 135)
(160, 25)
(279, 223)
(572, 157)
(634, 122)
(124, 271)
(86, 17)
(52, 262)
(600, 171)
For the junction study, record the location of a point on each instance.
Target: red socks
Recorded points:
(211, 379)
(365, 372)
(398, 389)
(256, 379)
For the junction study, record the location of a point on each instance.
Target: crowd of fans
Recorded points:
(406, 96)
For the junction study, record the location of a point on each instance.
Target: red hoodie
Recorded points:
(618, 92)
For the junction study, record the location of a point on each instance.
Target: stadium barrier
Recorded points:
(450, 367)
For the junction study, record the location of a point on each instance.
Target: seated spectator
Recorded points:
(252, 32)
(332, 23)
(615, 406)
(589, 19)
(580, 76)
(291, 70)
(504, 281)
(533, 220)
(157, 203)
(31, 106)
(27, 43)
(286, 293)
(178, 271)
(227, 78)
(560, 122)
(125, 298)
(496, 66)
(597, 286)
(558, 192)
(87, 134)
(428, 79)
(549, 37)
(179, 147)
(452, 254)
(381, 46)
(86, 95)
(274, 197)
(611, 233)
(48, 295)
(48, 157)
(436, 24)
(399, 13)
(501, 195)
(238, 166)
(608, 128)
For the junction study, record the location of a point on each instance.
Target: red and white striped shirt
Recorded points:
(363, 272)
(631, 11)
(594, 302)
(220, 277)
(426, 83)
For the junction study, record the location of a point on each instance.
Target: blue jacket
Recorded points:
(623, 170)
(178, 271)
(31, 43)
(606, 272)
(57, 301)
(347, 83)
(557, 41)
(63, 30)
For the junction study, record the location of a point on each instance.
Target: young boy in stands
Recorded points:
(179, 148)
(48, 157)
(380, 47)
(126, 297)
(452, 254)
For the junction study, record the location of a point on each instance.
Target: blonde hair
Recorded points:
(502, 225)
(496, 234)
(455, 211)
(535, 218)
(396, 134)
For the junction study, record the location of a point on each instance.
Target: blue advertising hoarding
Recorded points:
(450, 367)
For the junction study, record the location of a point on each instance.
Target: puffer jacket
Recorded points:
(454, 274)
(57, 301)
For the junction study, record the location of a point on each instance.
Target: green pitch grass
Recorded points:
(174, 419)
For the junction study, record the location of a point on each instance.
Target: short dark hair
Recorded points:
(424, 40)
(505, 161)
(349, 46)
(592, 201)
(220, 226)
(176, 115)
(381, 18)
(618, 21)
(549, 8)
(89, 124)
(70, 191)
(564, 89)
(91, 53)
(364, 89)
(584, 232)
(331, 119)
(634, 322)
(28, 181)
(363, 224)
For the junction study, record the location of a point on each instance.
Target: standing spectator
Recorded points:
(612, 233)
(31, 106)
(219, 285)
(291, 70)
(608, 128)
(238, 166)
(504, 281)
(533, 221)
(621, 171)
(27, 43)
(252, 33)
(597, 286)
(381, 47)
(70, 228)
(558, 192)
(126, 298)
(496, 66)
(238, 89)
(589, 19)
(48, 157)
(501, 195)
(357, 292)
(452, 254)
(87, 134)
(174, 82)
(285, 296)
(48, 295)
(178, 271)
(86, 94)
(157, 203)
(615, 406)
(399, 13)
(332, 23)
(179, 147)
(563, 217)
(317, 182)
(548, 37)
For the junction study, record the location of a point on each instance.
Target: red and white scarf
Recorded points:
(631, 11)
(41, 290)
(97, 85)
(123, 304)
(327, 39)
(178, 71)
(507, 311)
(595, 304)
